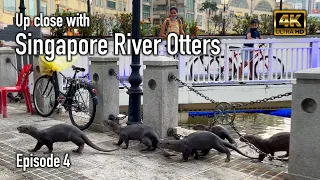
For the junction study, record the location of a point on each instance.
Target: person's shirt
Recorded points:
(173, 26)
(254, 34)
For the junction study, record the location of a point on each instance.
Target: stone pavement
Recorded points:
(120, 164)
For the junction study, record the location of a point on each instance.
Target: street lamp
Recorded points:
(89, 6)
(22, 7)
(223, 18)
(57, 3)
(135, 79)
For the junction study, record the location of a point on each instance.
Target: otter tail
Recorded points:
(234, 148)
(90, 143)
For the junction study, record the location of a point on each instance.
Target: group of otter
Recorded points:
(204, 140)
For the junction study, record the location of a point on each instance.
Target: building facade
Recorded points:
(9, 7)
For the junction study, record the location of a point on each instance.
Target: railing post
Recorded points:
(314, 58)
(226, 62)
(304, 134)
(8, 74)
(160, 94)
(107, 87)
(270, 62)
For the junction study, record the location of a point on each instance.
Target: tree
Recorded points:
(210, 7)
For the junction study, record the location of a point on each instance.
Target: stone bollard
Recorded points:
(304, 159)
(8, 74)
(107, 88)
(160, 95)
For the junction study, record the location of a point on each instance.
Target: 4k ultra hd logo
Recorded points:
(290, 22)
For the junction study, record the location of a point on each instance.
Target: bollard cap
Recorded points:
(313, 73)
(161, 61)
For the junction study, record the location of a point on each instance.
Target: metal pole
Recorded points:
(88, 7)
(135, 79)
(280, 4)
(22, 7)
(38, 13)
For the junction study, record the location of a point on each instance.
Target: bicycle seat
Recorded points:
(78, 68)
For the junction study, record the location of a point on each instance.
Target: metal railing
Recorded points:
(288, 56)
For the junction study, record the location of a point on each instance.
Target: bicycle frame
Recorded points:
(235, 56)
(70, 86)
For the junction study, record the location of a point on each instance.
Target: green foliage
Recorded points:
(59, 31)
(123, 23)
(313, 24)
(155, 30)
(243, 23)
(266, 24)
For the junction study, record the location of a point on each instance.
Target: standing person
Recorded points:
(247, 55)
(173, 24)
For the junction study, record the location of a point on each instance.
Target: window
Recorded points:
(120, 5)
(263, 6)
(97, 2)
(199, 20)
(159, 7)
(190, 17)
(43, 9)
(190, 6)
(111, 4)
(101, 3)
(31, 8)
(9, 5)
(147, 1)
(239, 4)
(124, 7)
(145, 12)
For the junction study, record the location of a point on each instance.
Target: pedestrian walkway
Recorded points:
(121, 164)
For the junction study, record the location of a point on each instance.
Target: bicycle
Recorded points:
(234, 61)
(68, 100)
(194, 59)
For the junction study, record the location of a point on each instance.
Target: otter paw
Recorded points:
(76, 151)
(227, 160)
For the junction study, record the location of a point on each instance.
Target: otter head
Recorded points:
(175, 145)
(200, 127)
(113, 125)
(27, 129)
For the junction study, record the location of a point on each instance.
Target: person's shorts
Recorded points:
(247, 55)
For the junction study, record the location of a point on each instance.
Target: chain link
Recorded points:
(194, 90)
(118, 78)
(264, 100)
(178, 136)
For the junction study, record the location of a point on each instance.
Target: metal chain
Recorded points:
(116, 76)
(194, 90)
(264, 100)
(178, 136)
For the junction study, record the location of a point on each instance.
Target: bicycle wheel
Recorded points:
(45, 95)
(83, 101)
(199, 64)
(261, 71)
(220, 70)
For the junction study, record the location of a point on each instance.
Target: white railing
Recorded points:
(294, 54)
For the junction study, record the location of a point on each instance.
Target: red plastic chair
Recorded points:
(21, 86)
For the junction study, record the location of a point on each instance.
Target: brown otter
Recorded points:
(277, 142)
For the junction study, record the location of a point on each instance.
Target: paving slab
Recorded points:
(121, 164)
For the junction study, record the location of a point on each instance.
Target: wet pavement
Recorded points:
(121, 164)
